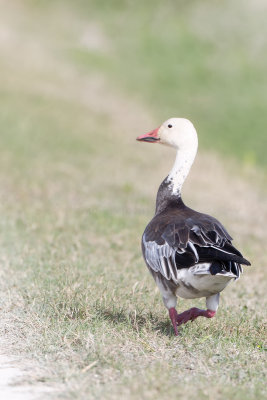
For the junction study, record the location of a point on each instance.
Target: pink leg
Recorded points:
(192, 314)
(173, 316)
(189, 315)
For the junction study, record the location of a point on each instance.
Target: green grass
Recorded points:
(76, 192)
(190, 59)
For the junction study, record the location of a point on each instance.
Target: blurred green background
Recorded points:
(204, 60)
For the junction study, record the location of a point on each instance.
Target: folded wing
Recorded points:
(183, 244)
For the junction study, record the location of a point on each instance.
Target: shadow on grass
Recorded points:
(136, 322)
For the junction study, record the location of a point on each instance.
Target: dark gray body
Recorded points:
(188, 253)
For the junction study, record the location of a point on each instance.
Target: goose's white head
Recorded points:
(175, 132)
(180, 134)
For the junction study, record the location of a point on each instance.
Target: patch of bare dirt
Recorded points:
(14, 373)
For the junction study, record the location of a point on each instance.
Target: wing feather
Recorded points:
(185, 242)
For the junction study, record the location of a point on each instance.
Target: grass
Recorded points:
(191, 59)
(76, 192)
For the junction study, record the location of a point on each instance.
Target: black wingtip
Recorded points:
(245, 262)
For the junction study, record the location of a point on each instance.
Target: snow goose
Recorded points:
(189, 254)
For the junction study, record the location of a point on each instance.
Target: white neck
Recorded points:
(183, 162)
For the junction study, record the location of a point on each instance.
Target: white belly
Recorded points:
(197, 282)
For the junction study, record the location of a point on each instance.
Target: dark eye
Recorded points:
(169, 126)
